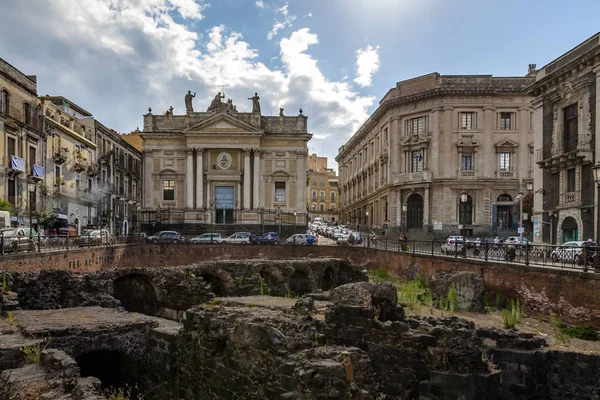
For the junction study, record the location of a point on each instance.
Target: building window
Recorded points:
(467, 120)
(11, 144)
(314, 181)
(32, 151)
(322, 182)
(385, 135)
(57, 175)
(314, 195)
(26, 113)
(417, 161)
(467, 161)
(506, 121)
(168, 190)
(570, 133)
(11, 191)
(332, 196)
(321, 207)
(571, 176)
(505, 162)
(4, 98)
(90, 184)
(322, 195)
(314, 207)
(280, 192)
(416, 126)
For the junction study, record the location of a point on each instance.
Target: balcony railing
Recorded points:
(506, 174)
(466, 174)
(570, 198)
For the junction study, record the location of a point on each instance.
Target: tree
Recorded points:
(527, 209)
(5, 205)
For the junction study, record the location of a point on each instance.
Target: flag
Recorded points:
(65, 105)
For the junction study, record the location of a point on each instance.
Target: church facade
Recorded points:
(223, 168)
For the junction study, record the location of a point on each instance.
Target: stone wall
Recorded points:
(572, 294)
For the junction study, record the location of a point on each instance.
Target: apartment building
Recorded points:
(566, 103)
(22, 147)
(322, 189)
(432, 139)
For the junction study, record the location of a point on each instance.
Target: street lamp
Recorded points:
(294, 226)
(31, 186)
(596, 170)
(367, 219)
(464, 197)
(529, 186)
(520, 196)
(404, 210)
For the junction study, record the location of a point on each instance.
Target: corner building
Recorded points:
(566, 100)
(222, 168)
(432, 138)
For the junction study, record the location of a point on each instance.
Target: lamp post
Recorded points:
(294, 227)
(367, 219)
(404, 215)
(596, 170)
(31, 188)
(520, 217)
(464, 197)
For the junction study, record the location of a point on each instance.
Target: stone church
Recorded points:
(223, 167)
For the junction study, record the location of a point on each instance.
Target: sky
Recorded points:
(335, 59)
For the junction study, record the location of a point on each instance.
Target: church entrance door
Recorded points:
(224, 204)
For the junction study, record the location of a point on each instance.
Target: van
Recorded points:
(4, 219)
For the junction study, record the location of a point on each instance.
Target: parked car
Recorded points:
(97, 237)
(237, 238)
(298, 239)
(453, 245)
(568, 252)
(19, 239)
(267, 237)
(166, 237)
(207, 238)
(310, 239)
(350, 239)
(517, 240)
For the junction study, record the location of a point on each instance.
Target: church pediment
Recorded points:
(415, 140)
(223, 123)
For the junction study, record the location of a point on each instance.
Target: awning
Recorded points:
(37, 171)
(61, 216)
(17, 163)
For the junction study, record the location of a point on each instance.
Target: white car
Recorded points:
(298, 239)
(207, 238)
(237, 238)
(521, 241)
(568, 252)
(453, 245)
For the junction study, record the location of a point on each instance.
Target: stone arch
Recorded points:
(414, 211)
(301, 283)
(115, 369)
(221, 283)
(328, 281)
(273, 279)
(137, 293)
(504, 197)
(465, 211)
(563, 215)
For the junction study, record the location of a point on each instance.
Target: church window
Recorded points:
(168, 190)
(505, 162)
(417, 161)
(280, 192)
(467, 120)
(467, 161)
(4, 98)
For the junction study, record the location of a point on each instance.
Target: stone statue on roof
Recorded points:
(216, 105)
(188, 101)
(255, 103)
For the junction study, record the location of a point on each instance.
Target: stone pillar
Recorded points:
(199, 178)
(257, 181)
(596, 134)
(301, 181)
(208, 199)
(426, 207)
(148, 182)
(398, 207)
(247, 191)
(189, 179)
(538, 173)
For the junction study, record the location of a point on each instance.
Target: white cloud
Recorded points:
(308, 15)
(259, 4)
(116, 59)
(367, 63)
(281, 24)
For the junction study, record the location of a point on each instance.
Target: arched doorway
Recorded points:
(328, 280)
(114, 369)
(300, 283)
(214, 284)
(504, 215)
(414, 211)
(136, 293)
(569, 230)
(125, 227)
(465, 211)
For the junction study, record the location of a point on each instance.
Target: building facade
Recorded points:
(431, 139)
(23, 143)
(222, 167)
(322, 189)
(566, 102)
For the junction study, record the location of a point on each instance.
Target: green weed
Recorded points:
(512, 316)
(11, 320)
(121, 393)
(4, 283)
(32, 353)
(379, 275)
(428, 300)
(585, 332)
(557, 327)
(262, 289)
(453, 299)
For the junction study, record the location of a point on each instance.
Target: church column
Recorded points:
(247, 191)
(148, 194)
(199, 178)
(301, 181)
(189, 179)
(257, 183)
(426, 207)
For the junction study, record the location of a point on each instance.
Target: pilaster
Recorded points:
(189, 179)
(199, 178)
(247, 192)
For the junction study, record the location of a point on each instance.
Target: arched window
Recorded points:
(415, 211)
(504, 197)
(465, 215)
(4, 99)
(322, 207)
(26, 113)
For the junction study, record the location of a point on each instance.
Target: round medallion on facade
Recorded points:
(224, 160)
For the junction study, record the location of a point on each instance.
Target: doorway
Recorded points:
(569, 230)
(224, 199)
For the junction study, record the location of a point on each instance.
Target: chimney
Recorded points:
(531, 69)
